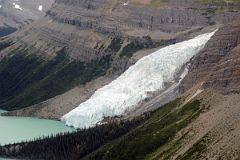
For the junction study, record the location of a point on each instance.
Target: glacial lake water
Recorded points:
(4, 31)
(16, 129)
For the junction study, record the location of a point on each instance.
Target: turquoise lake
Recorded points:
(16, 129)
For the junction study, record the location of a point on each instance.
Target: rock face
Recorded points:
(86, 28)
(217, 65)
(19, 12)
(119, 17)
(80, 41)
(225, 76)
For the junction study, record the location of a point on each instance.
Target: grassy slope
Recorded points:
(149, 140)
(147, 137)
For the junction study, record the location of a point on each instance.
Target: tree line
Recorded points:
(70, 146)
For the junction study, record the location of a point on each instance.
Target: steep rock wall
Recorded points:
(216, 64)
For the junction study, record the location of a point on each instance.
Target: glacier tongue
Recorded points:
(149, 74)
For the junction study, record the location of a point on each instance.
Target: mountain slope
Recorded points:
(213, 133)
(99, 34)
(205, 126)
(15, 13)
(152, 73)
(140, 126)
(214, 66)
(209, 130)
(202, 124)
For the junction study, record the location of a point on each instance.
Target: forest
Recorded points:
(70, 146)
(121, 139)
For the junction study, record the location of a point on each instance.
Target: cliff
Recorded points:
(216, 66)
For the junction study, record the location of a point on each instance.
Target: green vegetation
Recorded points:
(143, 43)
(72, 146)
(149, 136)
(151, 2)
(154, 133)
(131, 48)
(115, 45)
(157, 2)
(196, 151)
(4, 44)
(26, 78)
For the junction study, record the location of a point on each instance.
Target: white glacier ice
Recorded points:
(149, 74)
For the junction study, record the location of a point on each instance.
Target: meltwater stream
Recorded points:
(149, 74)
(16, 129)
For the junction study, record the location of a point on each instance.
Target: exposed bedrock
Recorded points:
(22, 12)
(225, 76)
(104, 36)
(106, 15)
(217, 65)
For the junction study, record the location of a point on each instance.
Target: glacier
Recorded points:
(149, 74)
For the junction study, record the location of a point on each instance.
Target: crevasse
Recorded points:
(149, 74)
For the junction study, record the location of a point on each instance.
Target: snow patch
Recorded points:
(40, 8)
(149, 74)
(16, 6)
